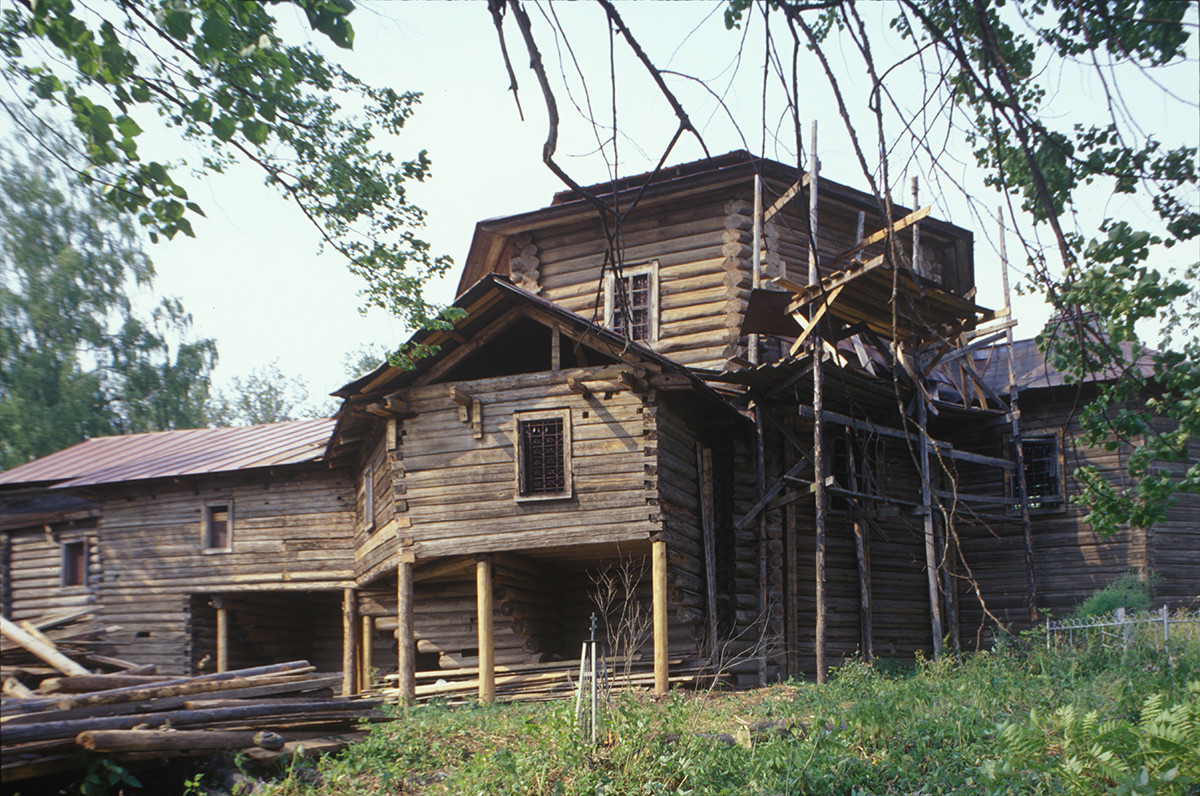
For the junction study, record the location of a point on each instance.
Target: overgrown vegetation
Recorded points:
(1017, 720)
(1130, 591)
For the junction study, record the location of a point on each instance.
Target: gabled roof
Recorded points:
(490, 298)
(169, 454)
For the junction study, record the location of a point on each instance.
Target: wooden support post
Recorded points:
(917, 263)
(222, 634)
(658, 585)
(761, 475)
(862, 558)
(819, 464)
(405, 634)
(756, 260)
(368, 653)
(487, 638)
(349, 642)
(708, 531)
(931, 568)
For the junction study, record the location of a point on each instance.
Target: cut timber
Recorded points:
(876, 237)
(119, 741)
(42, 649)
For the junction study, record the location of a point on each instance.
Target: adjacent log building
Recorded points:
(779, 454)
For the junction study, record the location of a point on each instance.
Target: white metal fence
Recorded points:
(1161, 628)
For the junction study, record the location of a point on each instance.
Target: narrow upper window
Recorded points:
(369, 498)
(75, 563)
(631, 302)
(543, 455)
(218, 522)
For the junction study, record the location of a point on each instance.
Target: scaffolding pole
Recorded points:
(1014, 414)
(814, 277)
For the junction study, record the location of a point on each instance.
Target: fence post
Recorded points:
(1047, 632)
(1166, 626)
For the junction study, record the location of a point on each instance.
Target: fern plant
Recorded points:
(1078, 752)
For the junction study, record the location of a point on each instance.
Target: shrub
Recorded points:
(1129, 591)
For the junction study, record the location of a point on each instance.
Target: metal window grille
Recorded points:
(544, 470)
(1041, 470)
(74, 567)
(216, 531)
(633, 291)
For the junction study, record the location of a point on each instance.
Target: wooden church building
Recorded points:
(756, 423)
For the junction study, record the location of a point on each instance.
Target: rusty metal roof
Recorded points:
(169, 454)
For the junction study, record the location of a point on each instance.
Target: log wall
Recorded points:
(31, 563)
(291, 530)
(1070, 559)
(460, 491)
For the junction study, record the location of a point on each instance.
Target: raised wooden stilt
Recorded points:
(487, 639)
(349, 642)
(368, 653)
(405, 636)
(222, 635)
(658, 578)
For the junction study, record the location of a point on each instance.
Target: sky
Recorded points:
(253, 278)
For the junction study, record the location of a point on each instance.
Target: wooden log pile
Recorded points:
(537, 682)
(74, 633)
(135, 714)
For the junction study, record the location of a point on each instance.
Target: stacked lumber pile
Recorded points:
(75, 633)
(535, 682)
(135, 714)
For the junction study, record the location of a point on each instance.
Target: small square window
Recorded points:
(543, 455)
(75, 564)
(631, 302)
(218, 527)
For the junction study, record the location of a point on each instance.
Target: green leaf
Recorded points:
(224, 127)
(215, 31)
(128, 127)
(177, 23)
(256, 131)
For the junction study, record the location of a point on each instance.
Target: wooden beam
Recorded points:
(658, 582)
(43, 650)
(708, 533)
(222, 634)
(875, 237)
(349, 642)
(786, 197)
(808, 325)
(487, 638)
(368, 653)
(405, 634)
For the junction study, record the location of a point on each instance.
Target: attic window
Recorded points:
(631, 302)
(218, 527)
(543, 455)
(75, 564)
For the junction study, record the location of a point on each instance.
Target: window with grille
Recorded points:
(543, 460)
(1043, 477)
(632, 302)
(75, 564)
(217, 527)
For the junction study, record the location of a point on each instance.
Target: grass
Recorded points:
(1018, 720)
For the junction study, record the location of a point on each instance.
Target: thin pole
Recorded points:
(819, 463)
(935, 609)
(1014, 414)
(756, 259)
(917, 262)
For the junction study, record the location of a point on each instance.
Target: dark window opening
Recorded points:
(543, 458)
(632, 292)
(1041, 472)
(216, 527)
(74, 564)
